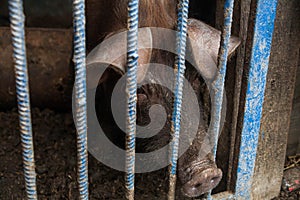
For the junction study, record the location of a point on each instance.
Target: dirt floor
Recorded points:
(55, 153)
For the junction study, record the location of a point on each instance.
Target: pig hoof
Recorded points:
(202, 182)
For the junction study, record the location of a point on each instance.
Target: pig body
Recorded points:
(198, 173)
(105, 17)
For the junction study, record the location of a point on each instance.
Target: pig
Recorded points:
(197, 172)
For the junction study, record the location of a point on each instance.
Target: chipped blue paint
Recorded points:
(17, 19)
(131, 88)
(80, 94)
(263, 29)
(262, 135)
(182, 17)
(218, 83)
(262, 39)
(179, 69)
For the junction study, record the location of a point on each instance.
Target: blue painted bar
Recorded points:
(17, 19)
(263, 30)
(218, 83)
(179, 70)
(131, 88)
(80, 95)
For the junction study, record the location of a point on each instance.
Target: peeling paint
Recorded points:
(17, 19)
(263, 29)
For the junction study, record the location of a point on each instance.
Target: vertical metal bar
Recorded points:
(218, 84)
(262, 39)
(80, 95)
(17, 19)
(131, 88)
(179, 70)
(241, 57)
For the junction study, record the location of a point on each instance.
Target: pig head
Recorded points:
(197, 170)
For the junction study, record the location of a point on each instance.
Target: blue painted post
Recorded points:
(179, 70)
(263, 29)
(80, 95)
(17, 19)
(131, 88)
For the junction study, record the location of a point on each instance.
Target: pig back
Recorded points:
(108, 16)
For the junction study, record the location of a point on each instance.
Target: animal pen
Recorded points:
(255, 29)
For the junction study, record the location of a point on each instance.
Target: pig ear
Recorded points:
(206, 38)
(234, 43)
(144, 52)
(112, 51)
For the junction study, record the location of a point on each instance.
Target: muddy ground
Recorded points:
(55, 153)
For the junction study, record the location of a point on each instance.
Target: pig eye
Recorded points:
(140, 90)
(188, 170)
(214, 179)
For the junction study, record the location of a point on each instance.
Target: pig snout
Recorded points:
(199, 177)
(202, 182)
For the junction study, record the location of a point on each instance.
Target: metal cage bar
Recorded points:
(218, 83)
(80, 95)
(179, 71)
(261, 47)
(262, 40)
(17, 19)
(131, 88)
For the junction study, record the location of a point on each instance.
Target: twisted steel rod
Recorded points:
(218, 84)
(179, 70)
(17, 19)
(80, 96)
(131, 88)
